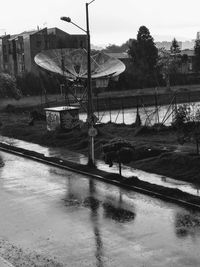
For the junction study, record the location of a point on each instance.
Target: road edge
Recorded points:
(94, 173)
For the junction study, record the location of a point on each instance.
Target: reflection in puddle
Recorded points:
(99, 208)
(127, 171)
(91, 202)
(94, 215)
(187, 224)
(112, 208)
(117, 214)
(91, 221)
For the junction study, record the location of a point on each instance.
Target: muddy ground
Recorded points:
(156, 151)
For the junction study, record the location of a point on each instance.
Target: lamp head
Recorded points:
(67, 19)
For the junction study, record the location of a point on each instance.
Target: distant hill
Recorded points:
(183, 45)
(97, 47)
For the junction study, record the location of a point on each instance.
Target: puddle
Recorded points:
(126, 171)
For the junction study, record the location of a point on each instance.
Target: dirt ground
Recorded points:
(156, 151)
(20, 258)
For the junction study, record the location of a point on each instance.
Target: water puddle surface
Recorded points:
(126, 170)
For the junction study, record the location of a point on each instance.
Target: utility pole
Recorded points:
(90, 115)
(92, 132)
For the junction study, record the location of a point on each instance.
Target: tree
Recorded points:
(197, 55)
(112, 48)
(184, 63)
(118, 150)
(187, 124)
(175, 48)
(8, 86)
(168, 65)
(144, 53)
(184, 58)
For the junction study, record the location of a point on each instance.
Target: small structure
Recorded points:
(65, 117)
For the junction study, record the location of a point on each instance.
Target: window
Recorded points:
(9, 49)
(39, 43)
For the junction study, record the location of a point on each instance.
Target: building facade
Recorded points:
(17, 52)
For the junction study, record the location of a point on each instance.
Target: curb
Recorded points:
(41, 158)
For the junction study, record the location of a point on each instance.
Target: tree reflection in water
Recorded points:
(1, 162)
(112, 209)
(117, 214)
(187, 224)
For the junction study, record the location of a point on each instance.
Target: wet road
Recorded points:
(83, 222)
(127, 171)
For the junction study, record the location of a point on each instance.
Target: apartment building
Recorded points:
(60, 39)
(17, 51)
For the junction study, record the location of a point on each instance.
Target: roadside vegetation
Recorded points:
(8, 86)
(152, 67)
(154, 149)
(172, 151)
(146, 67)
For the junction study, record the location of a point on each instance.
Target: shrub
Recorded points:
(8, 86)
(32, 84)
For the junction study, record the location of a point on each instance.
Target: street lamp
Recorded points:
(90, 115)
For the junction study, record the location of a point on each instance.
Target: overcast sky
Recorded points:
(111, 21)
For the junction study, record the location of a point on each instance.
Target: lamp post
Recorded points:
(90, 116)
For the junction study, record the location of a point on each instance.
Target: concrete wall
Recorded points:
(60, 39)
(78, 41)
(1, 56)
(38, 42)
(17, 53)
(5, 53)
(27, 54)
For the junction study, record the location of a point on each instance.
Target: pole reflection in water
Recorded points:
(76, 199)
(116, 213)
(94, 205)
(73, 198)
(1, 162)
(112, 208)
(90, 223)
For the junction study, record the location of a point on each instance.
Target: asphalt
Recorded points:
(95, 173)
(4, 263)
(54, 214)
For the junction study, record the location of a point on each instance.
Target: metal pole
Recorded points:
(89, 93)
(156, 107)
(109, 103)
(90, 115)
(98, 105)
(122, 104)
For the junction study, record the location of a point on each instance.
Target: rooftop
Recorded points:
(63, 108)
(122, 55)
(188, 52)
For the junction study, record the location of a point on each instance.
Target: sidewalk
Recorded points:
(76, 157)
(4, 263)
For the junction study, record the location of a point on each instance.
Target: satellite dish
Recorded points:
(72, 64)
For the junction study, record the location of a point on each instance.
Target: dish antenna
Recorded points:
(72, 64)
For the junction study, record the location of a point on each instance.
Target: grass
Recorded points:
(150, 144)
